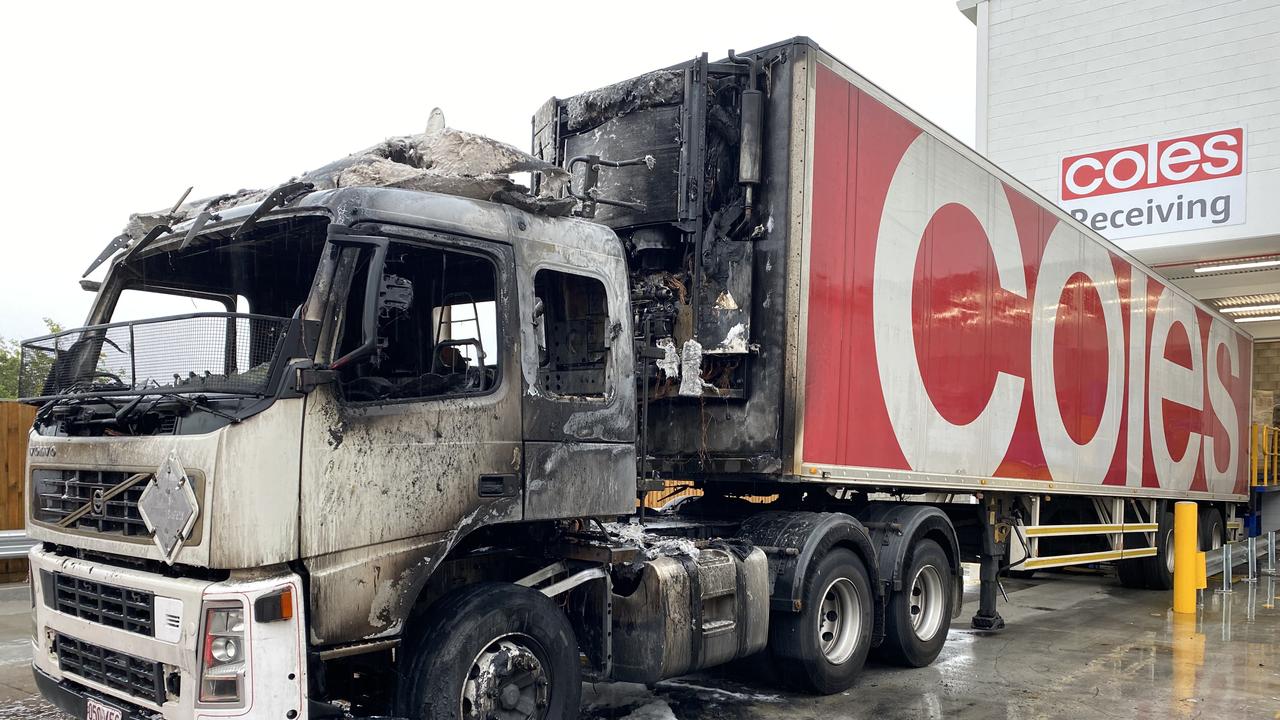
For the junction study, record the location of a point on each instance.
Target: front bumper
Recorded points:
(275, 678)
(72, 699)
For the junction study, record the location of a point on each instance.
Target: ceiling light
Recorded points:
(1260, 318)
(1251, 308)
(1251, 265)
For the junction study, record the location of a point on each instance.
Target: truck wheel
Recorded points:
(1160, 566)
(1133, 573)
(823, 647)
(494, 650)
(1211, 529)
(919, 615)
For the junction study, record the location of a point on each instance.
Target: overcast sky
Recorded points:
(111, 108)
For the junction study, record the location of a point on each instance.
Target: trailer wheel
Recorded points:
(494, 650)
(823, 647)
(919, 615)
(1211, 529)
(1160, 566)
(1132, 573)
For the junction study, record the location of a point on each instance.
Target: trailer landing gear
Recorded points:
(995, 539)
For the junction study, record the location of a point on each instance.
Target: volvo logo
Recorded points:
(99, 503)
(42, 451)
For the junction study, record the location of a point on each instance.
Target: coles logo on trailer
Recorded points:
(959, 329)
(1165, 185)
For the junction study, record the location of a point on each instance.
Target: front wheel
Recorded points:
(823, 647)
(494, 650)
(919, 615)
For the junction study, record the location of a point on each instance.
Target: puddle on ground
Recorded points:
(30, 709)
(688, 698)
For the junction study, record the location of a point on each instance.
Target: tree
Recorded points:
(11, 359)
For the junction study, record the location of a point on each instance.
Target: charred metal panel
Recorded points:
(255, 495)
(247, 494)
(369, 592)
(710, 280)
(587, 250)
(388, 487)
(732, 437)
(684, 614)
(724, 291)
(655, 132)
(564, 480)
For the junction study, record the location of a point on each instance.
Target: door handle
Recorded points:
(498, 485)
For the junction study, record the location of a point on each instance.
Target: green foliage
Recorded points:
(11, 358)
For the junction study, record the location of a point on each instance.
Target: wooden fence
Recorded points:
(15, 421)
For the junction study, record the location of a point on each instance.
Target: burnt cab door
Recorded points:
(417, 441)
(576, 361)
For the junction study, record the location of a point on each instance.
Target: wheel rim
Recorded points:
(1168, 551)
(508, 680)
(1215, 537)
(839, 621)
(927, 602)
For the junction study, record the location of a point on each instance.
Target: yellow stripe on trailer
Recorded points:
(1060, 530)
(1041, 563)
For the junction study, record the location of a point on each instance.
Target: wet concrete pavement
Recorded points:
(1077, 646)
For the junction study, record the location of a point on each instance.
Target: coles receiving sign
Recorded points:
(1189, 182)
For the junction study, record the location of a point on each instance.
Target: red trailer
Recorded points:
(981, 338)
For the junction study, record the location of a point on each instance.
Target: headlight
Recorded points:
(222, 667)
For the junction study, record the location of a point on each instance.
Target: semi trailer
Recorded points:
(389, 465)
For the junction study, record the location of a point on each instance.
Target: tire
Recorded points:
(1212, 529)
(1159, 568)
(814, 651)
(459, 654)
(919, 615)
(1133, 573)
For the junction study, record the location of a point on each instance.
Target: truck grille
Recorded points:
(108, 605)
(143, 679)
(58, 493)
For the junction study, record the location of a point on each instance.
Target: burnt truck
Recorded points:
(381, 451)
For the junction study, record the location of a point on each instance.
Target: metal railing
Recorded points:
(14, 544)
(1264, 455)
(197, 352)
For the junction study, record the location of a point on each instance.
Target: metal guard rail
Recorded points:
(1264, 455)
(14, 544)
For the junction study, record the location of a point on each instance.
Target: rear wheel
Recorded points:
(1159, 568)
(823, 647)
(1133, 573)
(494, 650)
(1211, 529)
(919, 615)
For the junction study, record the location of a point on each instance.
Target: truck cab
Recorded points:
(221, 494)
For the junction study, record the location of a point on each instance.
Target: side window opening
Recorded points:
(571, 317)
(437, 324)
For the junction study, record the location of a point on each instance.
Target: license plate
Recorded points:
(95, 710)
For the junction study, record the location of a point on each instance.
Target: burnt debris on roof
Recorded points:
(440, 159)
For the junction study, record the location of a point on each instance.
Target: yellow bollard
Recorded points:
(1185, 548)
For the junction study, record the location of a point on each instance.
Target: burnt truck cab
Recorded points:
(226, 498)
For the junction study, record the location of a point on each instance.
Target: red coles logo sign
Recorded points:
(1164, 185)
(957, 328)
